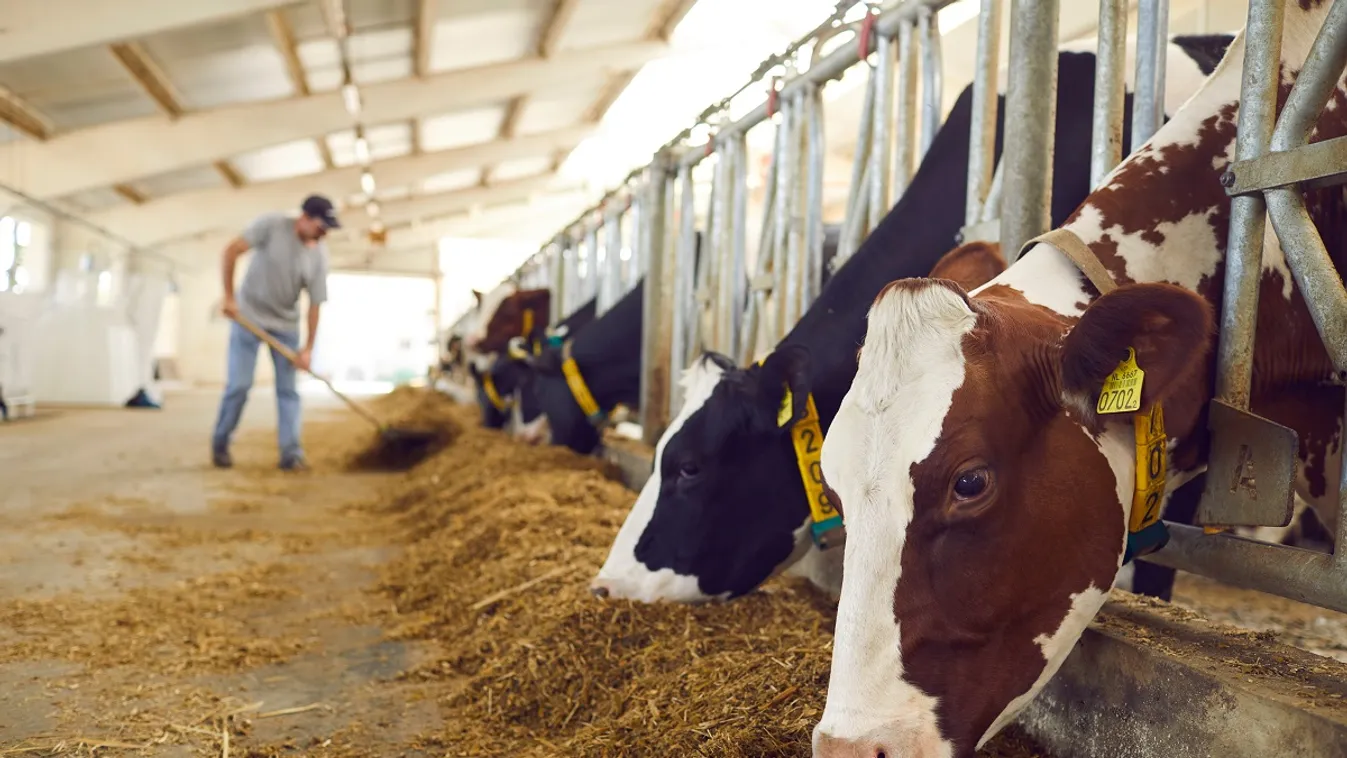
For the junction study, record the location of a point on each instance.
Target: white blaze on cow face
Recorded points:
(623, 575)
(889, 420)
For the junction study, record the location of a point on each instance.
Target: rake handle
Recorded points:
(294, 359)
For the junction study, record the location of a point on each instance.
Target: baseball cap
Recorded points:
(320, 208)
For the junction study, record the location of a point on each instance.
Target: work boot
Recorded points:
(294, 462)
(219, 455)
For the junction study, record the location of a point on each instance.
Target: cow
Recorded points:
(606, 356)
(502, 314)
(725, 507)
(509, 374)
(987, 483)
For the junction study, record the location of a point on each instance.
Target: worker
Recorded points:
(290, 256)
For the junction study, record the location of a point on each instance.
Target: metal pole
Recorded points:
(1244, 256)
(1031, 112)
(931, 84)
(708, 270)
(785, 209)
(1107, 127)
(594, 270)
(795, 239)
(813, 221)
(558, 258)
(856, 225)
(858, 198)
(656, 332)
(761, 285)
(612, 257)
(982, 129)
(685, 270)
(906, 129)
(881, 146)
(635, 236)
(1233, 429)
(739, 243)
(575, 283)
(1302, 575)
(1148, 111)
(992, 209)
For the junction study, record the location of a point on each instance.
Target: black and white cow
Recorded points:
(607, 354)
(509, 374)
(725, 508)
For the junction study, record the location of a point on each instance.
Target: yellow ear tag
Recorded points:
(1122, 388)
(787, 409)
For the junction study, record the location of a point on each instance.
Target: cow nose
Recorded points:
(599, 590)
(827, 746)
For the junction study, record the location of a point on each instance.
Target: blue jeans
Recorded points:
(242, 363)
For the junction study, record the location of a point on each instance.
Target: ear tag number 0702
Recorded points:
(1122, 388)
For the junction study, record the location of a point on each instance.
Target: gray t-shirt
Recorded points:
(280, 267)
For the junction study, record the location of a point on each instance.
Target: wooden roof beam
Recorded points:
(149, 75)
(23, 117)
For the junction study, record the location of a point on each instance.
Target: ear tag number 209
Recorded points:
(1122, 388)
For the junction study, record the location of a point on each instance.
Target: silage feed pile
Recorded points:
(404, 409)
(501, 542)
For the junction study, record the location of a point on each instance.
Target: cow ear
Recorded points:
(970, 266)
(785, 370)
(1169, 331)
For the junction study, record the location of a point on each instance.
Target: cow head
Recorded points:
(559, 419)
(716, 518)
(986, 501)
(512, 375)
(521, 313)
(724, 508)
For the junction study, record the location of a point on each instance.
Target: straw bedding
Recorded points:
(502, 540)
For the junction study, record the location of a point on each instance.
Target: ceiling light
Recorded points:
(361, 150)
(351, 96)
(367, 183)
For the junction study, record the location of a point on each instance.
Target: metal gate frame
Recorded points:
(1272, 162)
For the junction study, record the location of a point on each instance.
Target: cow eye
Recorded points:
(972, 483)
(689, 470)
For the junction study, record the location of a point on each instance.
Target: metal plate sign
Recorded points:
(1251, 472)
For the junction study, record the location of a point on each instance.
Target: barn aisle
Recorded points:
(145, 596)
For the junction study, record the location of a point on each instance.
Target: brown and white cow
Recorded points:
(986, 500)
(507, 312)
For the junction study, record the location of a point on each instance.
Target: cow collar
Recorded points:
(579, 390)
(1121, 393)
(527, 331)
(806, 436)
(492, 394)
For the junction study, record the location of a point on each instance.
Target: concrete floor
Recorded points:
(137, 584)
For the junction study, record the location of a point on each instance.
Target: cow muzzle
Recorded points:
(885, 742)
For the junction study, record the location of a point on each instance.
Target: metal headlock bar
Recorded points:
(1252, 465)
